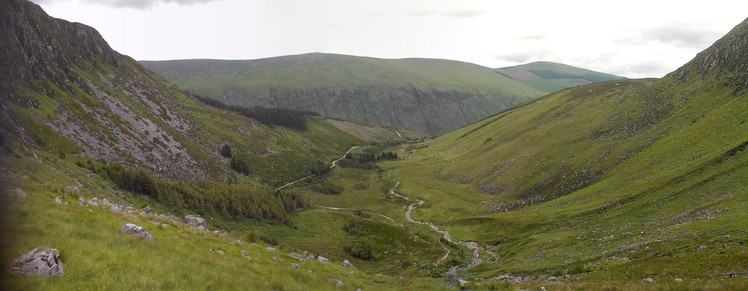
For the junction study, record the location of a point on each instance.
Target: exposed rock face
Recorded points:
(38, 48)
(136, 231)
(39, 262)
(196, 222)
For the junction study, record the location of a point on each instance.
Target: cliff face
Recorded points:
(64, 77)
(432, 112)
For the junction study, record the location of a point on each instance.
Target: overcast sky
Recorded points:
(629, 38)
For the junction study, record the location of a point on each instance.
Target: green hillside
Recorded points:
(90, 140)
(550, 77)
(612, 182)
(426, 95)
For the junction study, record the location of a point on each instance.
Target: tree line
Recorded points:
(231, 201)
(288, 118)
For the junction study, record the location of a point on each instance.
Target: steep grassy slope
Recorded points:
(426, 95)
(628, 179)
(550, 77)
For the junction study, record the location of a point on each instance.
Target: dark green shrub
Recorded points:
(360, 250)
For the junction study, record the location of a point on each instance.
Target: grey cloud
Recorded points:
(454, 14)
(683, 36)
(136, 4)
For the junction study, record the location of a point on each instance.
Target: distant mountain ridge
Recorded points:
(550, 77)
(427, 95)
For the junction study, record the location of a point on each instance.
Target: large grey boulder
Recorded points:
(136, 231)
(39, 262)
(196, 222)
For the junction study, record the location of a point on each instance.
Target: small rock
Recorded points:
(221, 252)
(732, 274)
(551, 279)
(17, 192)
(93, 203)
(217, 232)
(238, 243)
(58, 201)
(72, 189)
(82, 201)
(295, 265)
(272, 249)
(647, 280)
(136, 231)
(337, 283)
(39, 262)
(106, 202)
(276, 259)
(196, 222)
(323, 259)
(677, 280)
(164, 225)
(348, 264)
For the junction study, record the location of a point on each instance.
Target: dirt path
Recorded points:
(474, 246)
(332, 165)
(367, 212)
(439, 261)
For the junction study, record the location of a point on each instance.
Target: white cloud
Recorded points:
(136, 4)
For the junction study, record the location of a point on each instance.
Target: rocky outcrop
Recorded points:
(136, 231)
(43, 262)
(195, 221)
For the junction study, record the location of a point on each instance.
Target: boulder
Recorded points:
(323, 259)
(39, 262)
(72, 189)
(196, 222)
(295, 265)
(17, 192)
(337, 283)
(647, 280)
(348, 264)
(136, 231)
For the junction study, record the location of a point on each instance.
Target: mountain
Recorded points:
(550, 77)
(91, 141)
(611, 182)
(426, 95)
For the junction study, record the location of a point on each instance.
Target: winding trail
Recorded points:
(351, 209)
(474, 246)
(333, 164)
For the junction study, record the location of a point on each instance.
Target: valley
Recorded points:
(324, 171)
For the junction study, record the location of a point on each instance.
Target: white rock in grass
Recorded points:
(196, 222)
(323, 259)
(136, 231)
(39, 262)
(348, 264)
(58, 201)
